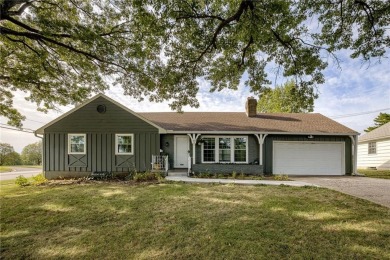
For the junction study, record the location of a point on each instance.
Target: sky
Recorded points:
(353, 95)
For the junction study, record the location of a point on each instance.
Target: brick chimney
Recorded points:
(250, 107)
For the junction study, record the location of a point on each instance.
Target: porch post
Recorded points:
(193, 138)
(261, 138)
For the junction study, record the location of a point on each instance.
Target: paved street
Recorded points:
(26, 172)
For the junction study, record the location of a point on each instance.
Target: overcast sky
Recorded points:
(351, 92)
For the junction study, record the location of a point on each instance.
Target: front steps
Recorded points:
(177, 173)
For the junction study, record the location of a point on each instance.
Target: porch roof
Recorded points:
(289, 123)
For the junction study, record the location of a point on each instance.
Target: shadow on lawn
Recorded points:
(191, 221)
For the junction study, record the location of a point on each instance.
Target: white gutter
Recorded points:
(257, 132)
(354, 139)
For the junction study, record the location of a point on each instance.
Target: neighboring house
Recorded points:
(374, 148)
(103, 135)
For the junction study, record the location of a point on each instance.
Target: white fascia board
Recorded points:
(257, 132)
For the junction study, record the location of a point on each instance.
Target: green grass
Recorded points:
(5, 169)
(183, 221)
(382, 174)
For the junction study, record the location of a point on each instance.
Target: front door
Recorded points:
(182, 146)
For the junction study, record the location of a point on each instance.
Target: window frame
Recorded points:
(372, 148)
(70, 144)
(232, 149)
(116, 144)
(203, 148)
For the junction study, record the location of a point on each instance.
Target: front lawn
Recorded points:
(183, 221)
(383, 174)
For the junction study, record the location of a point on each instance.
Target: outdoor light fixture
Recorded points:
(310, 137)
(166, 144)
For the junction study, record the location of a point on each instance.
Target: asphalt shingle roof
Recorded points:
(379, 133)
(313, 123)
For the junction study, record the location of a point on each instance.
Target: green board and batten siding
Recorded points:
(100, 130)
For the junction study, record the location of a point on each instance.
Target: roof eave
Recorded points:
(256, 132)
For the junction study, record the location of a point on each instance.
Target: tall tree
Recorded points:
(286, 98)
(32, 154)
(380, 120)
(61, 51)
(13, 158)
(5, 150)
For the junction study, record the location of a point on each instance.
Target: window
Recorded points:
(124, 144)
(228, 150)
(208, 149)
(240, 149)
(372, 148)
(224, 150)
(76, 143)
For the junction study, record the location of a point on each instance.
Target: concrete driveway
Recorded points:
(372, 189)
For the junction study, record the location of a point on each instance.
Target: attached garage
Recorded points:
(308, 158)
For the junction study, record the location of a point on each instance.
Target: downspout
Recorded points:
(41, 137)
(354, 139)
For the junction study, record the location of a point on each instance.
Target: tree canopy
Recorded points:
(381, 119)
(61, 52)
(8, 156)
(287, 99)
(32, 154)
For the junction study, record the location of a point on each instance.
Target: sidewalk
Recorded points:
(240, 182)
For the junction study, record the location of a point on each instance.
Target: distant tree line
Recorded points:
(31, 154)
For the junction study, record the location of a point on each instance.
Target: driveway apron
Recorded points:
(372, 189)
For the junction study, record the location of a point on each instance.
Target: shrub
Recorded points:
(147, 176)
(39, 179)
(21, 181)
(281, 177)
(234, 175)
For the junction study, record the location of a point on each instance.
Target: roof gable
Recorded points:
(378, 133)
(89, 101)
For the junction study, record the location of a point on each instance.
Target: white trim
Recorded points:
(254, 132)
(194, 138)
(175, 150)
(42, 129)
(232, 149)
(69, 143)
(312, 142)
(132, 144)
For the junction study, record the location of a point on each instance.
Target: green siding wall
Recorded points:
(100, 130)
(268, 148)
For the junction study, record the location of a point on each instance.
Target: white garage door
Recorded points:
(304, 158)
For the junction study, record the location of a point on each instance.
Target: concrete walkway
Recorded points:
(241, 182)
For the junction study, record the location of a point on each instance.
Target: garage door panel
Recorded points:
(297, 158)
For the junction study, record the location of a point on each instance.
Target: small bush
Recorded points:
(39, 179)
(234, 175)
(281, 177)
(147, 176)
(21, 181)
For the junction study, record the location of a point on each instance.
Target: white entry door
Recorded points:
(182, 146)
(308, 158)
